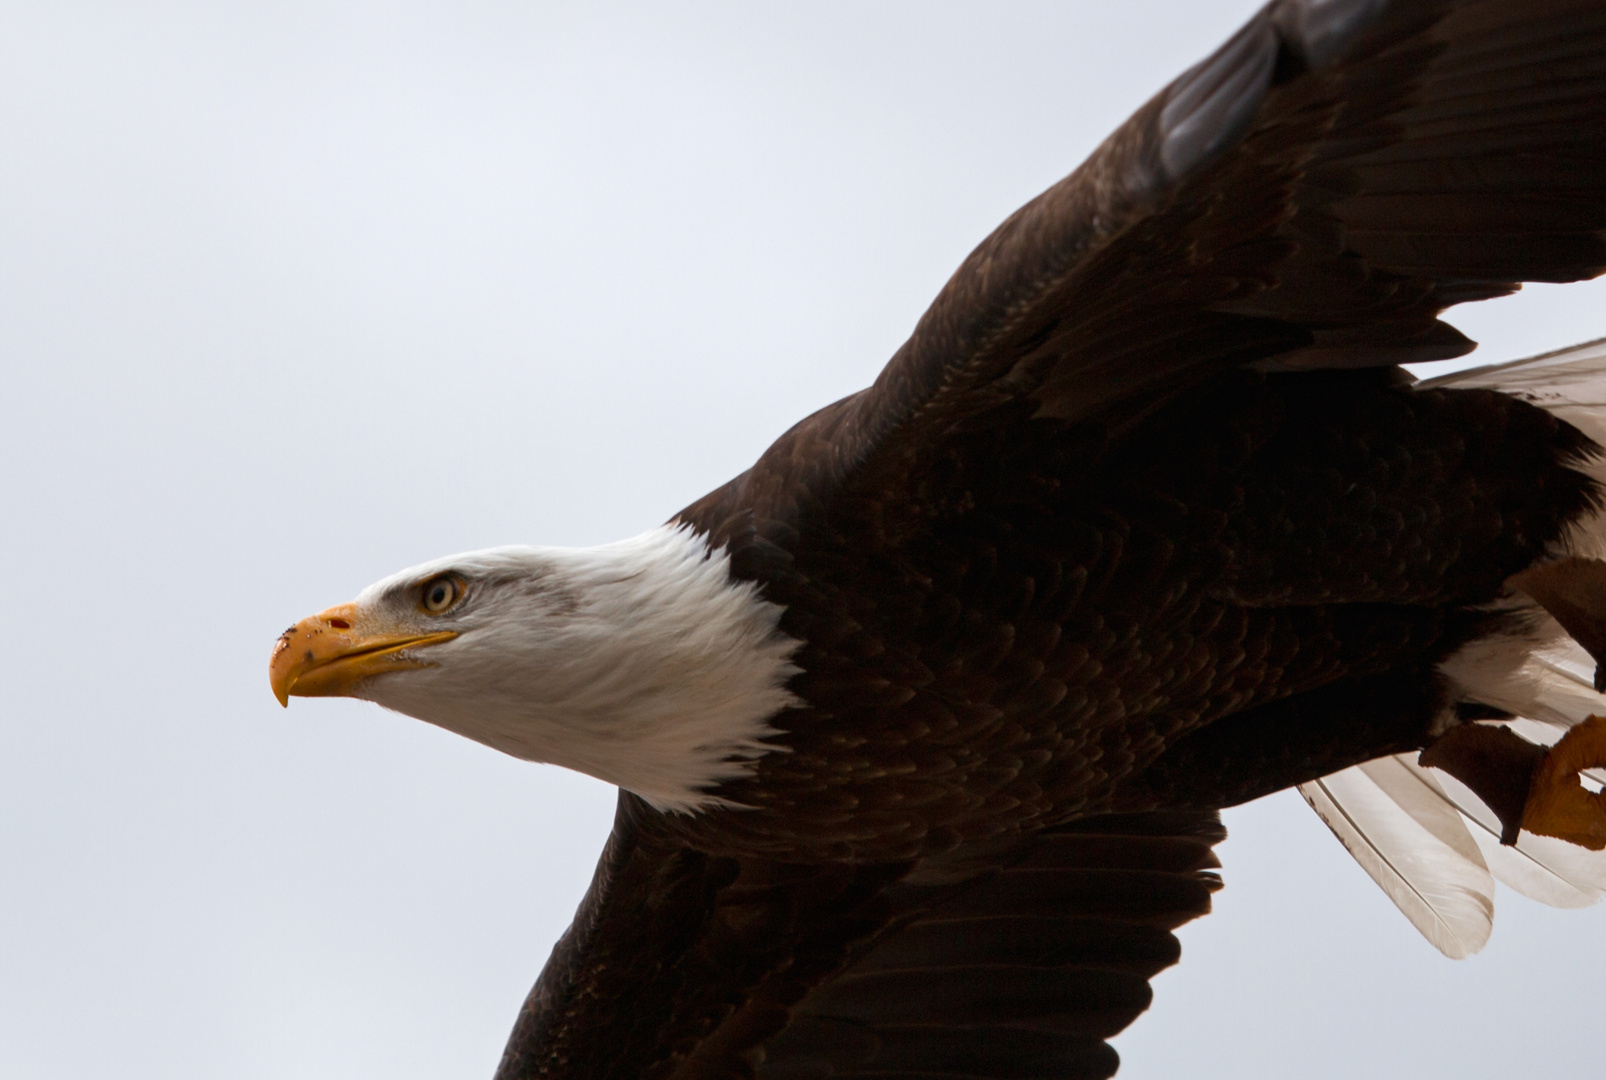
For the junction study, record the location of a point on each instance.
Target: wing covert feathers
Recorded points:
(1568, 383)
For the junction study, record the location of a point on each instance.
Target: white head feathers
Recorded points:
(641, 662)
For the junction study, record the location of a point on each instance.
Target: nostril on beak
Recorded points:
(339, 624)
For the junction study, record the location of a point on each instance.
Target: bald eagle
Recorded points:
(923, 724)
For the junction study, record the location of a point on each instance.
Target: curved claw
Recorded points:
(1558, 804)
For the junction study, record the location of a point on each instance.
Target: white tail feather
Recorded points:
(1534, 672)
(1415, 846)
(1541, 868)
(1395, 816)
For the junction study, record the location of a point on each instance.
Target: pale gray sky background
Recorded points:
(295, 294)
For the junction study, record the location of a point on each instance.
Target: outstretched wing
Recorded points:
(1021, 963)
(1310, 196)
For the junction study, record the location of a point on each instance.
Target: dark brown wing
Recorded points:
(1310, 196)
(1019, 963)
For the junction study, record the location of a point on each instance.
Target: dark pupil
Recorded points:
(437, 595)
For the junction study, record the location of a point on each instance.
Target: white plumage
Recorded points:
(642, 663)
(1413, 843)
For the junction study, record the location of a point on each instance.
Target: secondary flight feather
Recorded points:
(922, 724)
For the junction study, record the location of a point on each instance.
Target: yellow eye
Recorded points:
(440, 593)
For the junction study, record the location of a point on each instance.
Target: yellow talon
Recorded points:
(1558, 804)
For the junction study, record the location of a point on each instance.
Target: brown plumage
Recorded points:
(1142, 521)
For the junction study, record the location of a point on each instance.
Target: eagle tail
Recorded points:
(1432, 844)
(1396, 822)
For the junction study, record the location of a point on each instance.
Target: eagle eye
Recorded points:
(438, 594)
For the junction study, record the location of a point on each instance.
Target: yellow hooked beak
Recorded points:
(328, 654)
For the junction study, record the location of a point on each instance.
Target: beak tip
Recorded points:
(279, 677)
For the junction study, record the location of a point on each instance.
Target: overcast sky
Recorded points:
(293, 295)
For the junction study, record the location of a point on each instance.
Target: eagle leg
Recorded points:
(1499, 766)
(1558, 803)
(1573, 591)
